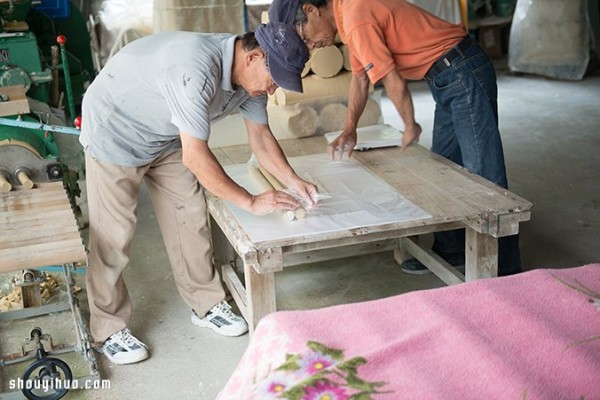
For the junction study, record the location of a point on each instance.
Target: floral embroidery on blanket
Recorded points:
(320, 373)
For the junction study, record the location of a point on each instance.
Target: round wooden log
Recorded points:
(5, 186)
(299, 213)
(371, 114)
(326, 62)
(316, 88)
(259, 175)
(294, 121)
(332, 117)
(274, 182)
(23, 177)
(306, 69)
(346, 56)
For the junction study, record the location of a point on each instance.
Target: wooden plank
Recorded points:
(439, 186)
(334, 253)
(41, 254)
(394, 171)
(358, 235)
(47, 203)
(38, 228)
(8, 219)
(412, 176)
(437, 265)
(56, 220)
(34, 237)
(28, 199)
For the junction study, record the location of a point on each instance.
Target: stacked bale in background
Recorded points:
(323, 106)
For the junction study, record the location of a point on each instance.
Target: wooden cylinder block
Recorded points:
(258, 177)
(306, 69)
(5, 186)
(371, 115)
(266, 181)
(295, 121)
(316, 88)
(25, 180)
(346, 56)
(326, 62)
(289, 215)
(332, 117)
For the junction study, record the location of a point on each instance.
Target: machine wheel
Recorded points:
(41, 376)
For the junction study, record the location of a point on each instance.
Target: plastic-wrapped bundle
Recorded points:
(550, 38)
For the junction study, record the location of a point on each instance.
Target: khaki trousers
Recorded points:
(180, 208)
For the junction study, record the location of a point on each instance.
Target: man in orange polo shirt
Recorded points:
(393, 41)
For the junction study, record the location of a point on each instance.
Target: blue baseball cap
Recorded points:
(283, 11)
(286, 53)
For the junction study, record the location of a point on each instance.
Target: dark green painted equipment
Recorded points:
(54, 77)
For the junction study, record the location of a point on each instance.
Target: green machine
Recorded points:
(45, 66)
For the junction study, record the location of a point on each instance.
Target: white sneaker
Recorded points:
(124, 348)
(222, 320)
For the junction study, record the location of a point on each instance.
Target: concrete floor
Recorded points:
(551, 140)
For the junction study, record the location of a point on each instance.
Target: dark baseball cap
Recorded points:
(283, 11)
(286, 53)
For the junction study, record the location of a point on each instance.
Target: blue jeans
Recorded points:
(465, 131)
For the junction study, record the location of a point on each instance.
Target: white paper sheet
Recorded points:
(372, 137)
(353, 198)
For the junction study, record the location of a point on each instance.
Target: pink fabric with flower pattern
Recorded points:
(530, 336)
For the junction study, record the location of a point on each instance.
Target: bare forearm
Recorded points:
(271, 157)
(213, 178)
(269, 153)
(359, 92)
(398, 92)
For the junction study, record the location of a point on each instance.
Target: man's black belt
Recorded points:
(446, 60)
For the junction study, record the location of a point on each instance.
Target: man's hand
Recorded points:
(272, 200)
(305, 190)
(411, 135)
(342, 144)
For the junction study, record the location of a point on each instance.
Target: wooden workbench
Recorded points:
(38, 228)
(454, 198)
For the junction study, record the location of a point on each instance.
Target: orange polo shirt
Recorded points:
(386, 34)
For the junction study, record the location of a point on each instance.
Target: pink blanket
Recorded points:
(530, 336)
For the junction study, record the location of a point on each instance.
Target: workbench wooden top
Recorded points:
(445, 190)
(38, 228)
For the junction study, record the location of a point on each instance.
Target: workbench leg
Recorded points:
(401, 253)
(481, 255)
(223, 252)
(260, 295)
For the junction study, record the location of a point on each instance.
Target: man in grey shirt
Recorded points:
(146, 118)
